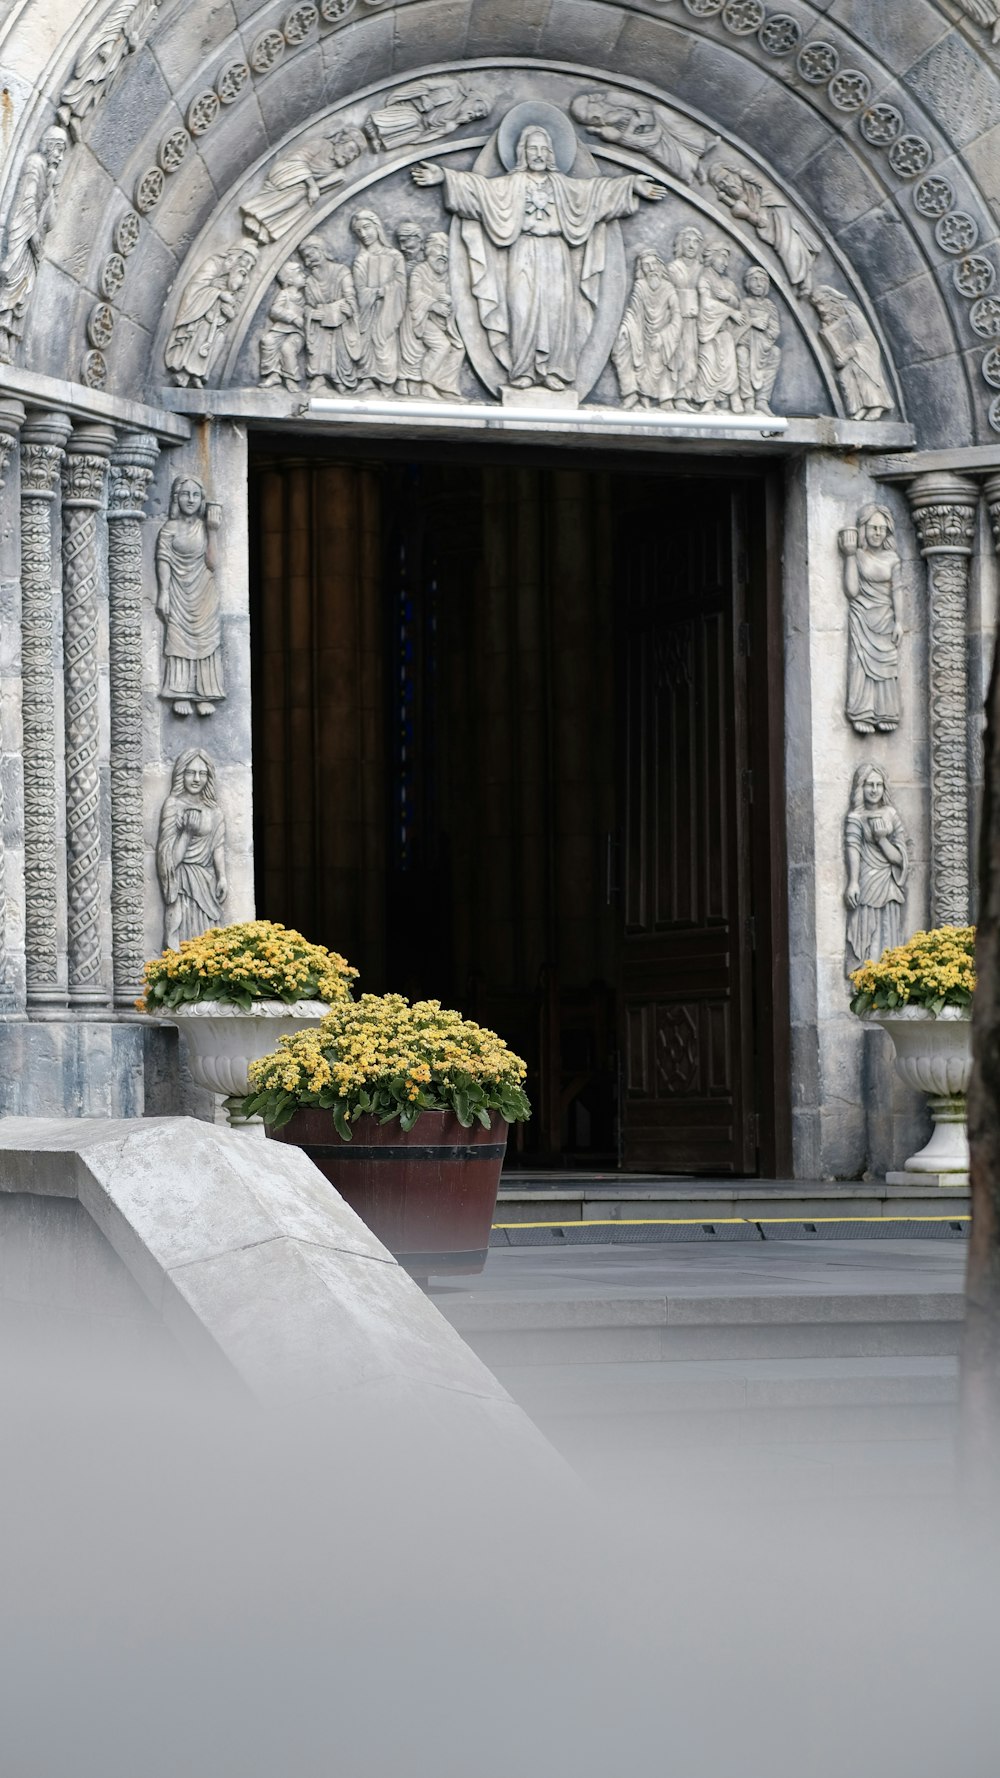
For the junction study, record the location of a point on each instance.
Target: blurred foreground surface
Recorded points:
(191, 1586)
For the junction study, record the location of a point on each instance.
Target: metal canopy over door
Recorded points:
(685, 982)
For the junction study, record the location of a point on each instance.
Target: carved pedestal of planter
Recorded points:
(935, 1056)
(223, 1040)
(428, 1193)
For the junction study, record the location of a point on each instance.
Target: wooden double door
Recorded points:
(518, 747)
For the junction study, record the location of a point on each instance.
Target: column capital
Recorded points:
(43, 439)
(133, 461)
(86, 464)
(944, 507)
(991, 489)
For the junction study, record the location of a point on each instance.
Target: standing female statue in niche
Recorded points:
(191, 850)
(878, 864)
(188, 602)
(873, 582)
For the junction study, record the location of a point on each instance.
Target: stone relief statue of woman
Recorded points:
(873, 582)
(188, 601)
(191, 850)
(878, 863)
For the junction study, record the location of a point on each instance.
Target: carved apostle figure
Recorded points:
(188, 601)
(985, 13)
(878, 863)
(535, 240)
(211, 299)
(758, 354)
(873, 582)
(684, 271)
(410, 241)
(855, 352)
(31, 216)
(645, 352)
(423, 111)
(282, 341)
(431, 316)
(296, 183)
(720, 312)
(191, 850)
(752, 199)
(101, 57)
(333, 344)
(675, 142)
(380, 287)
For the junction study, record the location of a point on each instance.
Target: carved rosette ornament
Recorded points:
(42, 441)
(84, 478)
(132, 466)
(944, 512)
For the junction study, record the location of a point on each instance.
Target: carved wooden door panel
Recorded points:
(687, 1055)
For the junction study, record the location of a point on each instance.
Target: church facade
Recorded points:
(511, 487)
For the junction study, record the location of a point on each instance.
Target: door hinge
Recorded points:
(744, 640)
(748, 784)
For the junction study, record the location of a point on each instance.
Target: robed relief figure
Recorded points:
(191, 850)
(873, 582)
(187, 600)
(878, 863)
(535, 238)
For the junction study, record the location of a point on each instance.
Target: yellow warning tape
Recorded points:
(642, 1222)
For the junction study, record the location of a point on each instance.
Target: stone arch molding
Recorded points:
(887, 128)
(701, 284)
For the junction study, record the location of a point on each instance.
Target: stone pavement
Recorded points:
(831, 1365)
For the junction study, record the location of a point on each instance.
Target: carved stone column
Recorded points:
(42, 441)
(84, 476)
(991, 488)
(944, 513)
(132, 465)
(11, 421)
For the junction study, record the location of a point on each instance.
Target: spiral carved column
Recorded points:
(42, 441)
(132, 465)
(11, 419)
(84, 478)
(944, 512)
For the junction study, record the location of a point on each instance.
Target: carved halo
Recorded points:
(565, 143)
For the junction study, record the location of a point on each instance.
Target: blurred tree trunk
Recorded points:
(980, 1410)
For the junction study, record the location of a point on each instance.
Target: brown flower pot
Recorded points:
(428, 1193)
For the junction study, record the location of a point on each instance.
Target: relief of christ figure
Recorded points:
(535, 239)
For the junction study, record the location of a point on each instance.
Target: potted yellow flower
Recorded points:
(921, 993)
(405, 1109)
(235, 990)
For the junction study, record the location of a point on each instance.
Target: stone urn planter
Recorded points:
(222, 1040)
(428, 1193)
(934, 1055)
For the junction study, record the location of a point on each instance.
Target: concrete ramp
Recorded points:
(251, 1264)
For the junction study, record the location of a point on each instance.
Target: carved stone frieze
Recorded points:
(210, 300)
(753, 199)
(424, 111)
(31, 217)
(877, 857)
(296, 182)
(191, 850)
(674, 142)
(100, 60)
(84, 479)
(944, 513)
(187, 600)
(856, 354)
(41, 462)
(873, 583)
(132, 467)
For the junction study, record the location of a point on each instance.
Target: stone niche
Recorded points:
(262, 296)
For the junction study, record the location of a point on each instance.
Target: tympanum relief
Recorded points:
(100, 60)
(562, 248)
(873, 583)
(187, 601)
(877, 856)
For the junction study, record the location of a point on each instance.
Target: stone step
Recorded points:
(533, 1208)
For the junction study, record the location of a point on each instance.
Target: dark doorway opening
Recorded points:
(518, 748)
